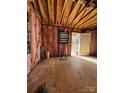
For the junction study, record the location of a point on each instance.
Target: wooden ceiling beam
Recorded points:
(66, 10)
(36, 5)
(31, 7)
(36, 9)
(94, 12)
(85, 12)
(59, 11)
(44, 9)
(51, 10)
(83, 18)
(78, 18)
(60, 26)
(74, 11)
(92, 18)
(93, 26)
(63, 8)
(91, 23)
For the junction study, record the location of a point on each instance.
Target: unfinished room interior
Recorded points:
(61, 46)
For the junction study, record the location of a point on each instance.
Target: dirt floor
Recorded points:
(64, 75)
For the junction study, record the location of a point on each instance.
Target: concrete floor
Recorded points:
(72, 75)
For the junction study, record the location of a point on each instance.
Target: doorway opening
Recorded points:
(75, 47)
(82, 46)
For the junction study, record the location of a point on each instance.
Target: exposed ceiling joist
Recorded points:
(85, 13)
(74, 14)
(67, 7)
(84, 17)
(59, 11)
(89, 21)
(79, 15)
(90, 24)
(51, 10)
(88, 17)
(34, 11)
(43, 8)
(36, 5)
(63, 8)
(74, 11)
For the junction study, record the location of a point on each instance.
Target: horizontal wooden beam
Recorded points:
(60, 26)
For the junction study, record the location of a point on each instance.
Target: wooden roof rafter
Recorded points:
(34, 11)
(90, 24)
(43, 8)
(82, 19)
(74, 11)
(51, 11)
(59, 11)
(85, 12)
(63, 8)
(74, 14)
(94, 17)
(79, 14)
(66, 10)
(36, 5)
